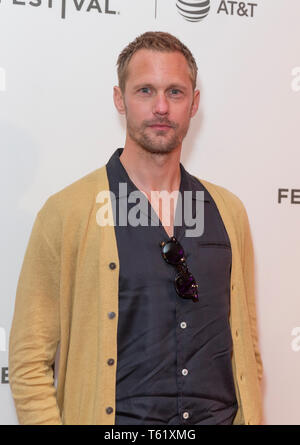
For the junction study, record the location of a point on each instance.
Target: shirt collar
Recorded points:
(120, 175)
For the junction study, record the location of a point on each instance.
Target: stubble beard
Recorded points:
(160, 143)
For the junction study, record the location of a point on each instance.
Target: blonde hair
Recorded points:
(155, 41)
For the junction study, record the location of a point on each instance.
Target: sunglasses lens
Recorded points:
(172, 252)
(186, 286)
(185, 283)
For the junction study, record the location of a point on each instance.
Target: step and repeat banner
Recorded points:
(58, 123)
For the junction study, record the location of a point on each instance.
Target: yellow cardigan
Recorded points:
(67, 292)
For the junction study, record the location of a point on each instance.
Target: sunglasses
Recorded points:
(185, 283)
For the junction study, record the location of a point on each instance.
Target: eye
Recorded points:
(175, 92)
(145, 90)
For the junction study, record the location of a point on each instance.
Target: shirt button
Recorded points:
(110, 361)
(112, 266)
(185, 415)
(111, 315)
(184, 372)
(183, 325)
(109, 410)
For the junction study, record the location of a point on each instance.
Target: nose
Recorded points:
(161, 105)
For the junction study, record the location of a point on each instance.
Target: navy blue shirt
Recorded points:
(174, 355)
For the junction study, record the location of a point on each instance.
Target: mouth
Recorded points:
(161, 127)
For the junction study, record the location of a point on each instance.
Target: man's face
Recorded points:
(158, 100)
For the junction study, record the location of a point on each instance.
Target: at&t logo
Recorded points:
(197, 10)
(193, 10)
(243, 9)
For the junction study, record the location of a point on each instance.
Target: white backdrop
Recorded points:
(58, 123)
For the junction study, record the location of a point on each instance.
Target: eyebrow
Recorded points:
(149, 85)
(178, 86)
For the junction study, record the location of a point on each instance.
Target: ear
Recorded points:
(196, 102)
(118, 100)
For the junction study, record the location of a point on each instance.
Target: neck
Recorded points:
(151, 171)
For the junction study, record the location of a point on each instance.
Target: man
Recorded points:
(153, 326)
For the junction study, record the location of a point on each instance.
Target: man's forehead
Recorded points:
(149, 55)
(151, 64)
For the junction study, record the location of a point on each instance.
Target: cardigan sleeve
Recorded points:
(248, 265)
(35, 333)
